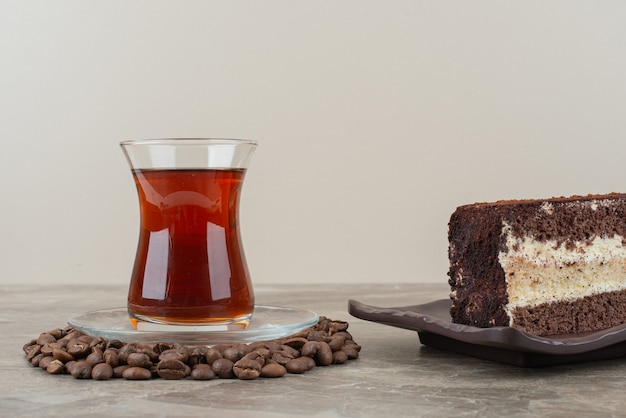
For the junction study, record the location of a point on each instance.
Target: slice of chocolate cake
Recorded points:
(546, 267)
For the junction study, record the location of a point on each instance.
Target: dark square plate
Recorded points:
(502, 344)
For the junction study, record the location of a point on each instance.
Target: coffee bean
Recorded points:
(336, 343)
(28, 345)
(171, 369)
(296, 342)
(110, 357)
(337, 326)
(78, 348)
(181, 354)
(69, 365)
(300, 365)
(56, 333)
(350, 351)
(211, 355)
(102, 371)
(339, 357)
(98, 342)
(290, 351)
(273, 370)
(223, 368)
(262, 352)
(281, 357)
(95, 357)
(55, 367)
(343, 334)
(161, 347)
(351, 343)
(114, 344)
(183, 350)
(236, 352)
(315, 336)
(202, 372)
(62, 355)
(47, 348)
(273, 345)
(139, 360)
(45, 338)
(257, 356)
(124, 351)
(320, 351)
(324, 355)
(323, 324)
(119, 370)
(148, 351)
(42, 362)
(310, 348)
(309, 362)
(35, 361)
(197, 355)
(32, 351)
(67, 329)
(71, 335)
(247, 369)
(86, 338)
(80, 370)
(136, 373)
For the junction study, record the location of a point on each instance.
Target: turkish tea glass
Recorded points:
(190, 267)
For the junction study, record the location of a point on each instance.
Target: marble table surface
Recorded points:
(395, 375)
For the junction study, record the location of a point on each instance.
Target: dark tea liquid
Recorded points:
(190, 267)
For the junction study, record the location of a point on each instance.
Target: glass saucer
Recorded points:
(267, 323)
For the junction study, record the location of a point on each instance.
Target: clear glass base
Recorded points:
(267, 323)
(148, 323)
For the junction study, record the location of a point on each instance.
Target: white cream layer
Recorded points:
(551, 254)
(543, 272)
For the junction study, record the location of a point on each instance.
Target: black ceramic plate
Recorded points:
(503, 344)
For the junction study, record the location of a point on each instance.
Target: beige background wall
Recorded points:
(375, 120)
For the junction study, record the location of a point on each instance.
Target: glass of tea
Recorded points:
(190, 267)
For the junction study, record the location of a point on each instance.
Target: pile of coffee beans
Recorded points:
(68, 351)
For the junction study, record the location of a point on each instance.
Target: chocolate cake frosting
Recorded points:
(549, 266)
